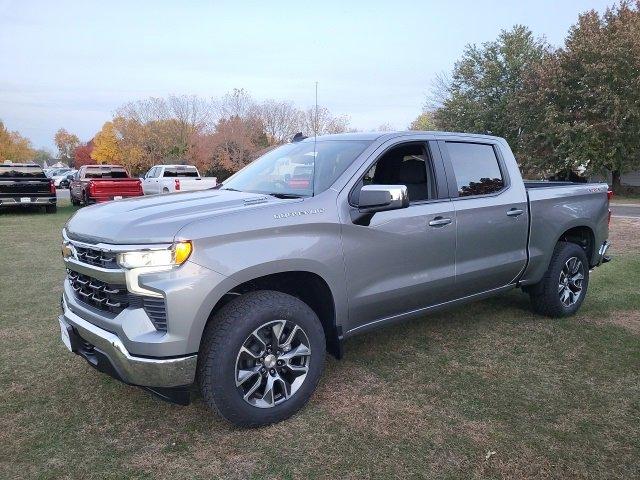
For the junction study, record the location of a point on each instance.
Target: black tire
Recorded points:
(227, 332)
(85, 198)
(545, 295)
(74, 202)
(165, 190)
(51, 208)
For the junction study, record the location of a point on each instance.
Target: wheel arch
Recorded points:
(309, 287)
(583, 236)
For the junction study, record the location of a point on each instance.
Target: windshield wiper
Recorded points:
(286, 195)
(229, 189)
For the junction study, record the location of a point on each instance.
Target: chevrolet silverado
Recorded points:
(240, 291)
(175, 178)
(25, 184)
(101, 183)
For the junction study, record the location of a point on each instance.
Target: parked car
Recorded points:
(52, 172)
(101, 183)
(25, 184)
(174, 178)
(242, 289)
(64, 179)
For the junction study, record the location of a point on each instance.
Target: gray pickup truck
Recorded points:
(240, 290)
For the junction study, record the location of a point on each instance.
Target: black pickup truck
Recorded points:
(25, 184)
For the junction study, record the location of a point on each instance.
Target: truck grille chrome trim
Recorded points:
(115, 298)
(96, 257)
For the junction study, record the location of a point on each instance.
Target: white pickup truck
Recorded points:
(175, 178)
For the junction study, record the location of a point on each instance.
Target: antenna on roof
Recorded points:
(315, 126)
(315, 152)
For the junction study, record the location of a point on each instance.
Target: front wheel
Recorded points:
(261, 357)
(561, 291)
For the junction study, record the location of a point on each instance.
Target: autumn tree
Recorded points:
(106, 147)
(66, 143)
(82, 154)
(583, 101)
(482, 95)
(236, 141)
(424, 122)
(43, 156)
(14, 147)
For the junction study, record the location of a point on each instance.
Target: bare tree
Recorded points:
(280, 120)
(322, 122)
(237, 103)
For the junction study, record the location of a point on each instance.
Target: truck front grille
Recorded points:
(96, 257)
(114, 298)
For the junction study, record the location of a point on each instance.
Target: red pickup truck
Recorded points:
(101, 183)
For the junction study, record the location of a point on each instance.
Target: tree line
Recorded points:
(219, 135)
(563, 110)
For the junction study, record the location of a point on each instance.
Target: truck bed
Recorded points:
(562, 203)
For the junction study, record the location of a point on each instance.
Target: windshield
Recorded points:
(289, 170)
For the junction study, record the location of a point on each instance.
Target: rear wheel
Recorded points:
(561, 291)
(165, 190)
(260, 358)
(51, 208)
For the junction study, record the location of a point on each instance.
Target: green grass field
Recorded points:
(483, 391)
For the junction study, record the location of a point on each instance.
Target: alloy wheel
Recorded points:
(570, 282)
(272, 363)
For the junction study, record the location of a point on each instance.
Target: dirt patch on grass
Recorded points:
(629, 320)
(624, 235)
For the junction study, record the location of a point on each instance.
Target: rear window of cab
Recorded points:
(105, 172)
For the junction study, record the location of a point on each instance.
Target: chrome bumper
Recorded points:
(142, 371)
(32, 201)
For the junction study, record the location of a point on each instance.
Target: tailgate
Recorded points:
(115, 187)
(10, 187)
(187, 184)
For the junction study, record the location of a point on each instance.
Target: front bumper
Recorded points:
(106, 352)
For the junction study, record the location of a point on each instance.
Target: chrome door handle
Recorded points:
(514, 212)
(439, 222)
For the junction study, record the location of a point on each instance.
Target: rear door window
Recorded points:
(476, 168)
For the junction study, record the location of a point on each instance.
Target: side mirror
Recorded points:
(380, 198)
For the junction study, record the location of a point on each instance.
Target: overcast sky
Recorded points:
(71, 64)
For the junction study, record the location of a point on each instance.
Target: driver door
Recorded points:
(402, 261)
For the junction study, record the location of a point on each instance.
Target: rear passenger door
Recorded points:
(491, 214)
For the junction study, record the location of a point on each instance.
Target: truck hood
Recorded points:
(156, 218)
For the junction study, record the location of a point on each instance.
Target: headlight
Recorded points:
(174, 256)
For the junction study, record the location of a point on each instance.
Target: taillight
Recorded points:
(92, 188)
(609, 195)
(177, 184)
(52, 187)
